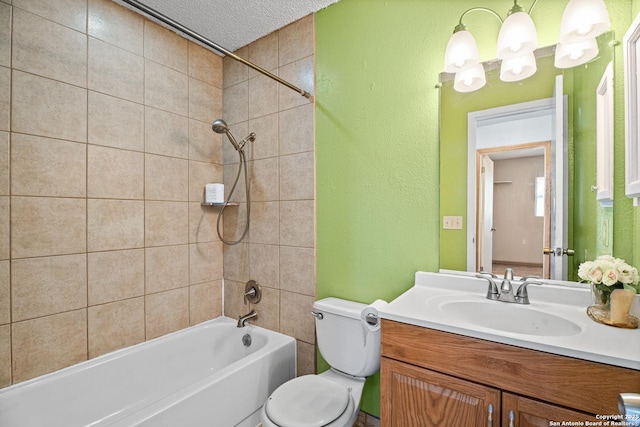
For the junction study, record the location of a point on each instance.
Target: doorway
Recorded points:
(514, 209)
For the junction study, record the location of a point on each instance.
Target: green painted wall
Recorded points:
(377, 140)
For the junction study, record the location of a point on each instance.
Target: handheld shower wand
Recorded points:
(220, 126)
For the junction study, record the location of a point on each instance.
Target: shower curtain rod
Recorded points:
(182, 29)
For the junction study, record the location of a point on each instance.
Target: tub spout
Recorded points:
(242, 320)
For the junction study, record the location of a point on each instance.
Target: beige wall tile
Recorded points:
(166, 312)
(165, 47)
(205, 65)
(5, 251)
(266, 143)
(297, 270)
(54, 51)
(167, 267)
(36, 344)
(114, 173)
(264, 223)
(236, 262)
(296, 130)
(166, 133)
(50, 285)
(296, 40)
(5, 98)
(301, 74)
(230, 174)
(306, 358)
(61, 109)
(234, 71)
(236, 105)
(233, 299)
(115, 71)
(204, 144)
(47, 167)
(268, 309)
(264, 180)
(166, 223)
(115, 275)
(72, 13)
(264, 53)
(166, 89)
(116, 25)
(201, 174)
(262, 94)
(205, 301)
(116, 325)
(53, 228)
(166, 178)
(297, 176)
(202, 223)
(5, 293)
(114, 122)
(264, 264)
(205, 262)
(205, 101)
(5, 35)
(114, 224)
(297, 223)
(5, 355)
(294, 318)
(4, 163)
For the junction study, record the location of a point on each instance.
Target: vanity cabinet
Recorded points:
(435, 378)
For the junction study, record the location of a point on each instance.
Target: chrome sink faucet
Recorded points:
(505, 293)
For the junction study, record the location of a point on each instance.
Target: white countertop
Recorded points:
(595, 342)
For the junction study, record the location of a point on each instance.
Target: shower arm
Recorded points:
(184, 30)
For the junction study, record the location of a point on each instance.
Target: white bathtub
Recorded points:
(200, 376)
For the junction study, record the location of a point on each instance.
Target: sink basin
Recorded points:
(516, 318)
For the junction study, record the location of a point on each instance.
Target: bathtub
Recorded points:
(200, 376)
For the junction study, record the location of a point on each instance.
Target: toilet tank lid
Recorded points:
(340, 307)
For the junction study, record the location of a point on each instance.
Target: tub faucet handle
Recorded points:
(252, 292)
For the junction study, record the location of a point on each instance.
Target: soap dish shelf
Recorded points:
(219, 204)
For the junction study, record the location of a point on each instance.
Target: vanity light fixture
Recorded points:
(582, 21)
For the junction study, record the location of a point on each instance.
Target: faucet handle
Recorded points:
(252, 292)
(492, 291)
(486, 273)
(522, 296)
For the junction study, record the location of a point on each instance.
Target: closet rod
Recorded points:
(184, 30)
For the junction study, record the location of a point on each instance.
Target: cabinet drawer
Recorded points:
(583, 385)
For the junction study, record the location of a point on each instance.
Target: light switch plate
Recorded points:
(452, 222)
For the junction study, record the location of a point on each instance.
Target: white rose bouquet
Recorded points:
(607, 273)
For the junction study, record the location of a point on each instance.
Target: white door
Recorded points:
(559, 203)
(486, 214)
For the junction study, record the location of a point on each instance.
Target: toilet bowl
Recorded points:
(332, 398)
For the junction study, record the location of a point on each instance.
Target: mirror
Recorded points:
(514, 128)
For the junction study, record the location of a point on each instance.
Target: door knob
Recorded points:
(558, 251)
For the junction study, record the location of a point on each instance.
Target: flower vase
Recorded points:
(600, 297)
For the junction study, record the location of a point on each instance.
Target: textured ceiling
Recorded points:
(233, 24)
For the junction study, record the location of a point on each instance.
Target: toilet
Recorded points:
(351, 346)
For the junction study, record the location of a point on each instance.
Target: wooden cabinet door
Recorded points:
(532, 413)
(412, 396)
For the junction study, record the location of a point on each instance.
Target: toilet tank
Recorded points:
(344, 342)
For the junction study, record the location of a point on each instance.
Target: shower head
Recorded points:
(220, 126)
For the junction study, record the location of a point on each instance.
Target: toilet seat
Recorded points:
(307, 401)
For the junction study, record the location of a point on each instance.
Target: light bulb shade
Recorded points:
(583, 19)
(517, 36)
(573, 54)
(516, 69)
(470, 80)
(461, 53)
